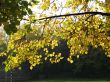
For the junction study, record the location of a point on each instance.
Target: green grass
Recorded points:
(68, 81)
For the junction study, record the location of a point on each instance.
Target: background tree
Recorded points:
(13, 11)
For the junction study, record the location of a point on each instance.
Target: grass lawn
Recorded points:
(69, 81)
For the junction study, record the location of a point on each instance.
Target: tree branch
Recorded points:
(65, 15)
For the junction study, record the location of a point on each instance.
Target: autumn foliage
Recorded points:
(36, 39)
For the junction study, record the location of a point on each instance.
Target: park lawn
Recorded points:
(68, 81)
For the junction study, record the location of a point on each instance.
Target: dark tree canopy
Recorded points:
(13, 11)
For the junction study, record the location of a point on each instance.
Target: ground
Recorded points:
(70, 81)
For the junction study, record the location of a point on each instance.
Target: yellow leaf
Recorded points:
(31, 67)
(77, 56)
